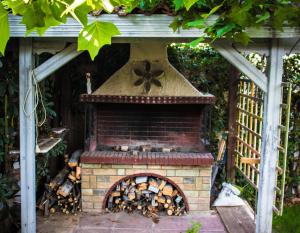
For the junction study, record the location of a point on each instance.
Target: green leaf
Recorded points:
(199, 23)
(4, 29)
(33, 17)
(212, 11)
(17, 6)
(194, 43)
(178, 4)
(189, 3)
(242, 37)
(49, 22)
(264, 17)
(57, 8)
(227, 28)
(81, 13)
(175, 24)
(95, 35)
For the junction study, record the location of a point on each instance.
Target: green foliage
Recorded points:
(8, 187)
(289, 221)
(4, 28)
(195, 228)
(95, 35)
(231, 19)
(42, 160)
(208, 71)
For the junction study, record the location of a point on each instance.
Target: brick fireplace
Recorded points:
(146, 121)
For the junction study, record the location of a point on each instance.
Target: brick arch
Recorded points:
(112, 188)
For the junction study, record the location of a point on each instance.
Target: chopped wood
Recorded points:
(166, 150)
(59, 179)
(167, 190)
(74, 160)
(124, 148)
(78, 173)
(65, 189)
(63, 193)
(116, 194)
(146, 148)
(148, 195)
(141, 179)
(153, 189)
(162, 185)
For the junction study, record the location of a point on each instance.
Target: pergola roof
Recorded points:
(139, 27)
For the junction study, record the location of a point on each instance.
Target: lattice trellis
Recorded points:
(249, 136)
(249, 130)
(283, 147)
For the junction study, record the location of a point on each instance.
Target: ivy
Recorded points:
(232, 17)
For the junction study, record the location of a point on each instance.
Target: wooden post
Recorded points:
(270, 140)
(232, 107)
(27, 137)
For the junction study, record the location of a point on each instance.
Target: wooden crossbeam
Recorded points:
(56, 62)
(241, 63)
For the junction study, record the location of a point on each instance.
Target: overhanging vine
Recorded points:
(232, 17)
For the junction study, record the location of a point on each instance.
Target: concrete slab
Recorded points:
(127, 223)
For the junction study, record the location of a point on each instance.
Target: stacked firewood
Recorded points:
(63, 193)
(148, 195)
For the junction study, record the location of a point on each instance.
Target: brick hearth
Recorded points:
(97, 179)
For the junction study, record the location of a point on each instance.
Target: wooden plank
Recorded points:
(236, 219)
(267, 181)
(55, 62)
(27, 137)
(141, 26)
(241, 63)
(46, 144)
(232, 126)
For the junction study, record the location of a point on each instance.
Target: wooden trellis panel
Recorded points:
(249, 130)
(249, 136)
(283, 147)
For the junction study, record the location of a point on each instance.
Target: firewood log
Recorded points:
(59, 179)
(167, 190)
(168, 199)
(78, 173)
(74, 160)
(162, 185)
(65, 189)
(161, 199)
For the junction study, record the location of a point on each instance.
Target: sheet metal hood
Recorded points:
(148, 77)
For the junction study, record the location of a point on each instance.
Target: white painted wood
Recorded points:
(55, 62)
(48, 46)
(141, 26)
(270, 140)
(241, 63)
(27, 137)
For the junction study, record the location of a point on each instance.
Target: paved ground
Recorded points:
(127, 223)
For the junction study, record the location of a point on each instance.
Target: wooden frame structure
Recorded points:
(135, 28)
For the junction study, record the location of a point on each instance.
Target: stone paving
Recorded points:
(127, 223)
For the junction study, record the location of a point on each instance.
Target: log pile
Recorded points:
(150, 196)
(63, 193)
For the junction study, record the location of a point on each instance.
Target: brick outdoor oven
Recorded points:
(146, 120)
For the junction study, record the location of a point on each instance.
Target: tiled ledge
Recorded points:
(152, 158)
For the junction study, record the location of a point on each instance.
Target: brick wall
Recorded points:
(135, 124)
(194, 181)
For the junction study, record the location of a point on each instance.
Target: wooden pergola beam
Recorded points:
(270, 139)
(27, 137)
(56, 62)
(240, 62)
